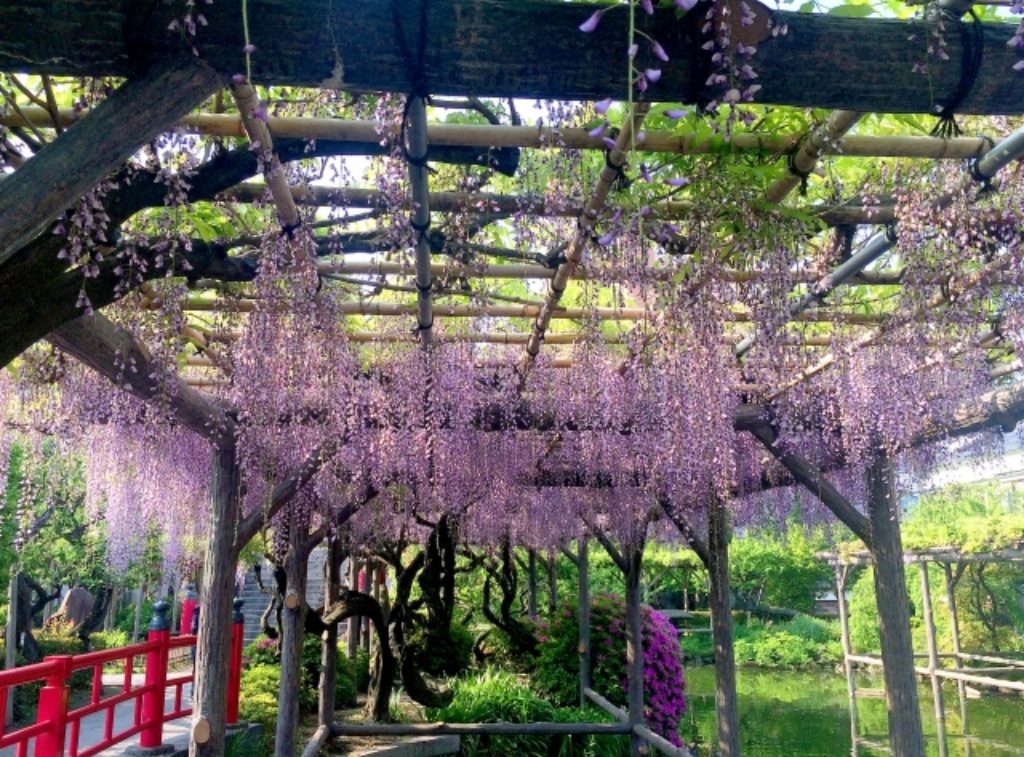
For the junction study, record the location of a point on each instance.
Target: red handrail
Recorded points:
(57, 729)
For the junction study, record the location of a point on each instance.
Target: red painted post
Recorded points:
(156, 677)
(53, 709)
(235, 662)
(188, 608)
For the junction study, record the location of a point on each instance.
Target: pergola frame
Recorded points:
(160, 71)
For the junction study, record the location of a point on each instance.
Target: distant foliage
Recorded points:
(800, 642)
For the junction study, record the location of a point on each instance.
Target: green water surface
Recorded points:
(805, 714)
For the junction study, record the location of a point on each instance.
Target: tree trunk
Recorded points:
(296, 564)
(329, 653)
(214, 643)
(719, 602)
(905, 735)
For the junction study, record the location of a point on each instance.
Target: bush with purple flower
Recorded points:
(557, 666)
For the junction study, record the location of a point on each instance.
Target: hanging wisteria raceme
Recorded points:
(148, 486)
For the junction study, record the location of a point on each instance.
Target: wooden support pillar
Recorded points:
(954, 631)
(532, 582)
(553, 580)
(720, 603)
(11, 646)
(213, 647)
(296, 564)
(905, 734)
(842, 573)
(634, 646)
(329, 653)
(584, 618)
(355, 623)
(933, 659)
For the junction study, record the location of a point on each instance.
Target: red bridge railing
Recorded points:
(57, 731)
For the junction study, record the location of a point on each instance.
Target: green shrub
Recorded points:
(125, 619)
(440, 654)
(362, 670)
(263, 653)
(499, 696)
(101, 640)
(258, 698)
(796, 643)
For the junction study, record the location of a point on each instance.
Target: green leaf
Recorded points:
(206, 232)
(851, 11)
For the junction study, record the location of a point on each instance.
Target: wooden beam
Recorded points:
(476, 47)
(121, 357)
(814, 481)
(63, 171)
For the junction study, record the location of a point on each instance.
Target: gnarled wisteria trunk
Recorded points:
(905, 735)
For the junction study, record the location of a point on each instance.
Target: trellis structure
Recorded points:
(477, 48)
(953, 562)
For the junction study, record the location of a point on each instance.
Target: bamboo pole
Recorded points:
(548, 137)
(984, 169)
(416, 157)
(842, 572)
(384, 309)
(809, 150)
(488, 204)
(954, 632)
(933, 660)
(258, 133)
(614, 163)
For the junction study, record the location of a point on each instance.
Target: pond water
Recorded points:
(805, 714)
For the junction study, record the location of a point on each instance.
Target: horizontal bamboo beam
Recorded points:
(387, 309)
(496, 337)
(489, 48)
(991, 658)
(547, 137)
(476, 729)
(489, 204)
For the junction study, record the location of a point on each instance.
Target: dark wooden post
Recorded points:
(933, 658)
(634, 646)
(329, 653)
(213, 647)
(842, 573)
(532, 582)
(954, 630)
(720, 602)
(296, 563)
(584, 618)
(355, 623)
(553, 580)
(905, 735)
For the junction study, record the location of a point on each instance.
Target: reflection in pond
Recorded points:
(805, 714)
